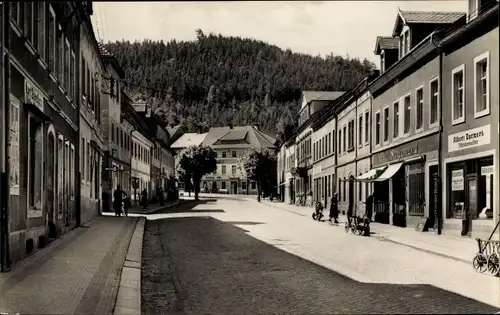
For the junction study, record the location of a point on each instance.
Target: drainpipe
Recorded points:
(438, 181)
(4, 176)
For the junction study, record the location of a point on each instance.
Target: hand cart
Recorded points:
(488, 256)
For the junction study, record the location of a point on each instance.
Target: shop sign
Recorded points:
(469, 139)
(32, 95)
(457, 180)
(487, 170)
(405, 151)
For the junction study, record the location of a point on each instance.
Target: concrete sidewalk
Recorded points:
(457, 248)
(152, 208)
(76, 274)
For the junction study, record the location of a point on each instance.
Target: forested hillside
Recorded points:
(218, 80)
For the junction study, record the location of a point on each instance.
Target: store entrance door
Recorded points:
(471, 204)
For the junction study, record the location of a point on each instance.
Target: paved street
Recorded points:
(78, 274)
(205, 260)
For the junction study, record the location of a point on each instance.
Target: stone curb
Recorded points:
(128, 300)
(387, 239)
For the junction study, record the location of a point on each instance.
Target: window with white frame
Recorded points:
(233, 169)
(377, 128)
(340, 141)
(39, 28)
(386, 123)
(481, 86)
(367, 127)
(35, 163)
(14, 146)
(223, 169)
(28, 22)
(72, 77)
(434, 101)
(346, 136)
(52, 38)
(458, 94)
(419, 109)
(360, 130)
(395, 122)
(60, 54)
(17, 14)
(407, 113)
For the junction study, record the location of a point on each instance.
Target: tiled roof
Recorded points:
(188, 139)
(425, 17)
(431, 17)
(386, 42)
(238, 137)
(321, 95)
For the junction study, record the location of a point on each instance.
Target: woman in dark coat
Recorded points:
(334, 209)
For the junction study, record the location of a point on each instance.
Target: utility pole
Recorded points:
(4, 140)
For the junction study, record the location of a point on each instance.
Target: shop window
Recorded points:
(481, 86)
(416, 189)
(407, 114)
(14, 146)
(360, 189)
(434, 101)
(458, 95)
(35, 163)
(60, 178)
(419, 109)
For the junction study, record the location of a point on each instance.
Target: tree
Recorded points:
(260, 166)
(195, 162)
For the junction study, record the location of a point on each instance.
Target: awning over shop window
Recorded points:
(389, 172)
(368, 176)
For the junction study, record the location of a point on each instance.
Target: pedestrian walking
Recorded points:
(369, 207)
(126, 201)
(117, 200)
(144, 198)
(334, 208)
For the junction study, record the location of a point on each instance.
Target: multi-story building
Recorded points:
(141, 162)
(91, 70)
(167, 166)
(44, 116)
(286, 161)
(353, 152)
(405, 115)
(470, 111)
(230, 144)
(184, 141)
(313, 103)
(116, 130)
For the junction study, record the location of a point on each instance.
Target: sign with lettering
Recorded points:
(406, 150)
(33, 95)
(469, 139)
(487, 170)
(457, 180)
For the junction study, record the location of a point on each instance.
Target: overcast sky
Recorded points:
(315, 27)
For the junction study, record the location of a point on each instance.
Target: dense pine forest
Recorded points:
(217, 80)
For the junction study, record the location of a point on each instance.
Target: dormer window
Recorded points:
(404, 43)
(382, 61)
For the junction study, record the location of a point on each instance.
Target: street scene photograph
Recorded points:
(249, 157)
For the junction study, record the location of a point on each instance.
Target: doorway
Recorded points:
(234, 187)
(433, 196)
(471, 205)
(50, 181)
